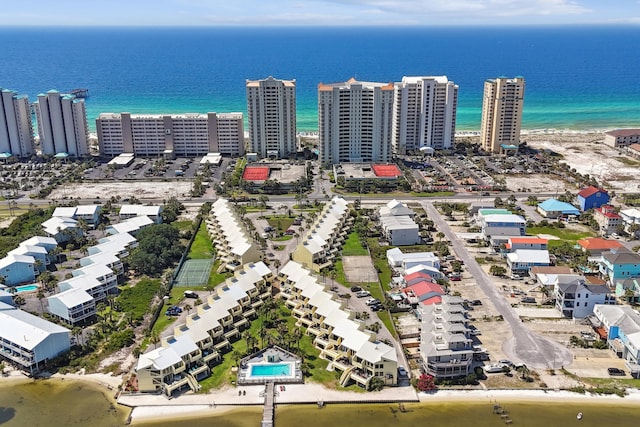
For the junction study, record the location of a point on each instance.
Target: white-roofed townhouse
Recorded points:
(342, 340)
(38, 253)
(322, 242)
(206, 333)
(62, 229)
(73, 306)
(397, 224)
(87, 213)
(124, 239)
(132, 211)
(446, 349)
(104, 274)
(233, 244)
(110, 259)
(17, 269)
(49, 243)
(131, 225)
(622, 326)
(28, 341)
(87, 283)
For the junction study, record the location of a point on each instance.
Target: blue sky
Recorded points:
(317, 12)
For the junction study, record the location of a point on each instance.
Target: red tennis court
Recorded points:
(256, 173)
(386, 171)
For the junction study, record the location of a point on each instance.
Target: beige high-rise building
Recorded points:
(355, 121)
(16, 129)
(188, 134)
(271, 112)
(502, 114)
(424, 113)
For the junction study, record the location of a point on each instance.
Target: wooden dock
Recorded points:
(268, 412)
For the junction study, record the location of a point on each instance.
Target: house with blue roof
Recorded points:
(554, 208)
(592, 197)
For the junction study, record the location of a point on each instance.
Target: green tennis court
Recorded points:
(194, 272)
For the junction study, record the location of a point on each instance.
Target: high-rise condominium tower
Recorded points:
(271, 110)
(354, 121)
(502, 113)
(424, 113)
(62, 124)
(16, 129)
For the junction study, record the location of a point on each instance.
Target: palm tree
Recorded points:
(40, 296)
(154, 338)
(77, 333)
(524, 371)
(188, 308)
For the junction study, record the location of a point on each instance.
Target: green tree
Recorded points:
(376, 384)
(497, 270)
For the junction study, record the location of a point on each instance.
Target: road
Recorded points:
(524, 346)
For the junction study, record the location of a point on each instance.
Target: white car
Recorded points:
(494, 369)
(362, 294)
(372, 301)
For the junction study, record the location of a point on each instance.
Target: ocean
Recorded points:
(578, 77)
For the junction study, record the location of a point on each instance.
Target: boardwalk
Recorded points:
(268, 412)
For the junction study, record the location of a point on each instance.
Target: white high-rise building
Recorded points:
(188, 134)
(271, 110)
(16, 128)
(502, 105)
(355, 121)
(424, 113)
(62, 124)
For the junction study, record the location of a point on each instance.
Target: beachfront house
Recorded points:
(446, 349)
(28, 342)
(73, 306)
(622, 326)
(38, 253)
(631, 220)
(62, 229)
(621, 138)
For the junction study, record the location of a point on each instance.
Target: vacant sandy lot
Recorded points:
(587, 153)
(106, 190)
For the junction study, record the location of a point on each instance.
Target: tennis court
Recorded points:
(386, 171)
(194, 272)
(256, 173)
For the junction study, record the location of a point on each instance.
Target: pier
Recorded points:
(80, 93)
(268, 413)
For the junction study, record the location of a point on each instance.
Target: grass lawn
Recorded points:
(352, 246)
(216, 278)
(201, 248)
(283, 238)
(280, 222)
(182, 225)
(563, 234)
(5, 212)
(435, 194)
(613, 382)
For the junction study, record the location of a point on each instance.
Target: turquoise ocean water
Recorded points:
(577, 77)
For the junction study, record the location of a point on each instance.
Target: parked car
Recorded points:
(528, 300)
(356, 289)
(190, 294)
(506, 362)
(362, 294)
(515, 277)
(615, 372)
(455, 278)
(475, 332)
(376, 307)
(475, 302)
(372, 301)
(494, 368)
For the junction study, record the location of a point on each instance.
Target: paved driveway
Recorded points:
(524, 345)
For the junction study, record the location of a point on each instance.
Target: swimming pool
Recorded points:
(26, 288)
(270, 370)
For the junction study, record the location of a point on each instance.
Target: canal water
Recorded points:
(72, 403)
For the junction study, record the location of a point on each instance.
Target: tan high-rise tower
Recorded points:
(271, 111)
(502, 113)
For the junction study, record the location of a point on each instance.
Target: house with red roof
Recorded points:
(597, 245)
(608, 219)
(592, 197)
(526, 242)
(423, 292)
